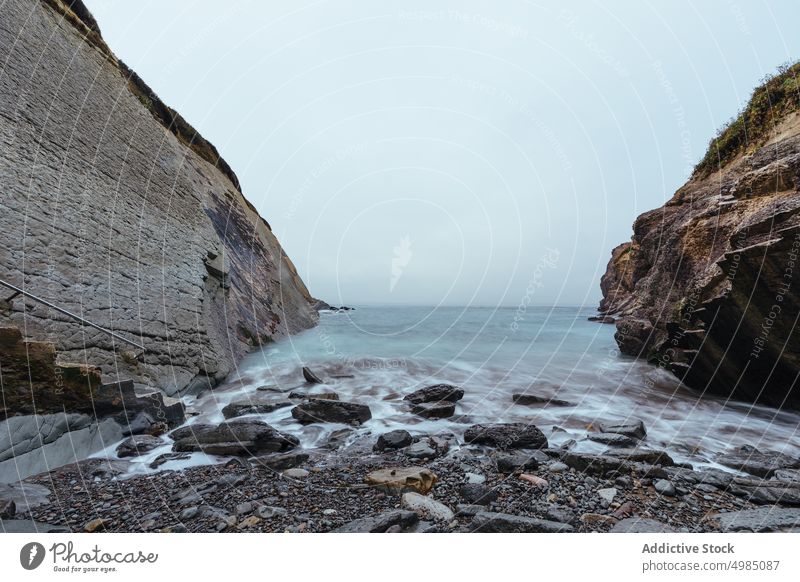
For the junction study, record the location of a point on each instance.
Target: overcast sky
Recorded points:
(454, 152)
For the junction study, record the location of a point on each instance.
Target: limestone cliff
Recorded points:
(116, 209)
(708, 286)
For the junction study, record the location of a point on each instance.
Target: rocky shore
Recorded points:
(497, 478)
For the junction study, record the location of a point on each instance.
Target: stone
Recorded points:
(248, 522)
(787, 475)
(435, 393)
(557, 467)
(298, 395)
(402, 479)
(510, 462)
(560, 514)
(489, 522)
(506, 436)
(420, 450)
(443, 409)
(665, 487)
(531, 399)
(639, 455)
(641, 525)
(632, 428)
(331, 411)
(426, 506)
(608, 494)
(166, 457)
(189, 513)
(466, 510)
(762, 519)
(269, 512)
(477, 494)
(281, 461)
(476, 478)
(140, 423)
(243, 407)
(392, 440)
(29, 526)
(760, 464)
(95, 525)
(537, 482)
(295, 473)
(137, 445)
(612, 439)
(311, 377)
(236, 437)
(8, 509)
(402, 519)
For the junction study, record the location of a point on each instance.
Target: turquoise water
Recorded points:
(492, 354)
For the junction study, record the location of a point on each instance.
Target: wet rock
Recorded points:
(281, 461)
(633, 428)
(331, 411)
(649, 456)
(435, 393)
(240, 408)
(402, 479)
(506, 436)
(641, 525)
(311, 377)
(381, 523)
(420, 450)
(300, 395)
(761, 491)
(140, 423)
(477, 494)
(665, 487)
(189, 430)
(763, 519)
(532, 399)
(489, 522)
(138, 445)
(8, 509)
(787, 475)
(762, 464)
(603, 464)
(510, 462)
(166, 457)
(612, 439)
(426, 506)
(392, 440)
(443, 409)
(236, 437)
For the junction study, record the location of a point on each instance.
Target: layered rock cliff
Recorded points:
(116, 209)
(707, 288)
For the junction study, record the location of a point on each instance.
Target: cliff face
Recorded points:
(116, 209)
(707, 288)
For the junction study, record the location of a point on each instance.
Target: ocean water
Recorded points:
(491, 353)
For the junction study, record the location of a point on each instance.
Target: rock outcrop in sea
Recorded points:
(707, 288)
(116, 209)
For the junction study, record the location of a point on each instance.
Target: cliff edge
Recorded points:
(707, 288)
(116, 209)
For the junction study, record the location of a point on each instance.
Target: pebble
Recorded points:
(665, 487)
(534, 480)
(295, 473)
(607, 494)
(557, 467)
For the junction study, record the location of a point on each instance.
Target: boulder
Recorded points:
(477, 494)
(612, 439)
(402, 479)
(236, 437)
(381, 523)
(665, 487)
(763, 519)
(510, 462)
(442, 409)
(311, 377)
(762, 464)
(632, 428)
(242, 407)
(426, 506)
(315, 410)
(506, 436)
(489, 522)
(435, 393)
(392, 440)
(532, 399)
(138, 445)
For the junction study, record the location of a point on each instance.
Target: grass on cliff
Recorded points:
(778, 95)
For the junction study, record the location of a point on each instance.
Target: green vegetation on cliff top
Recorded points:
(777, 96)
